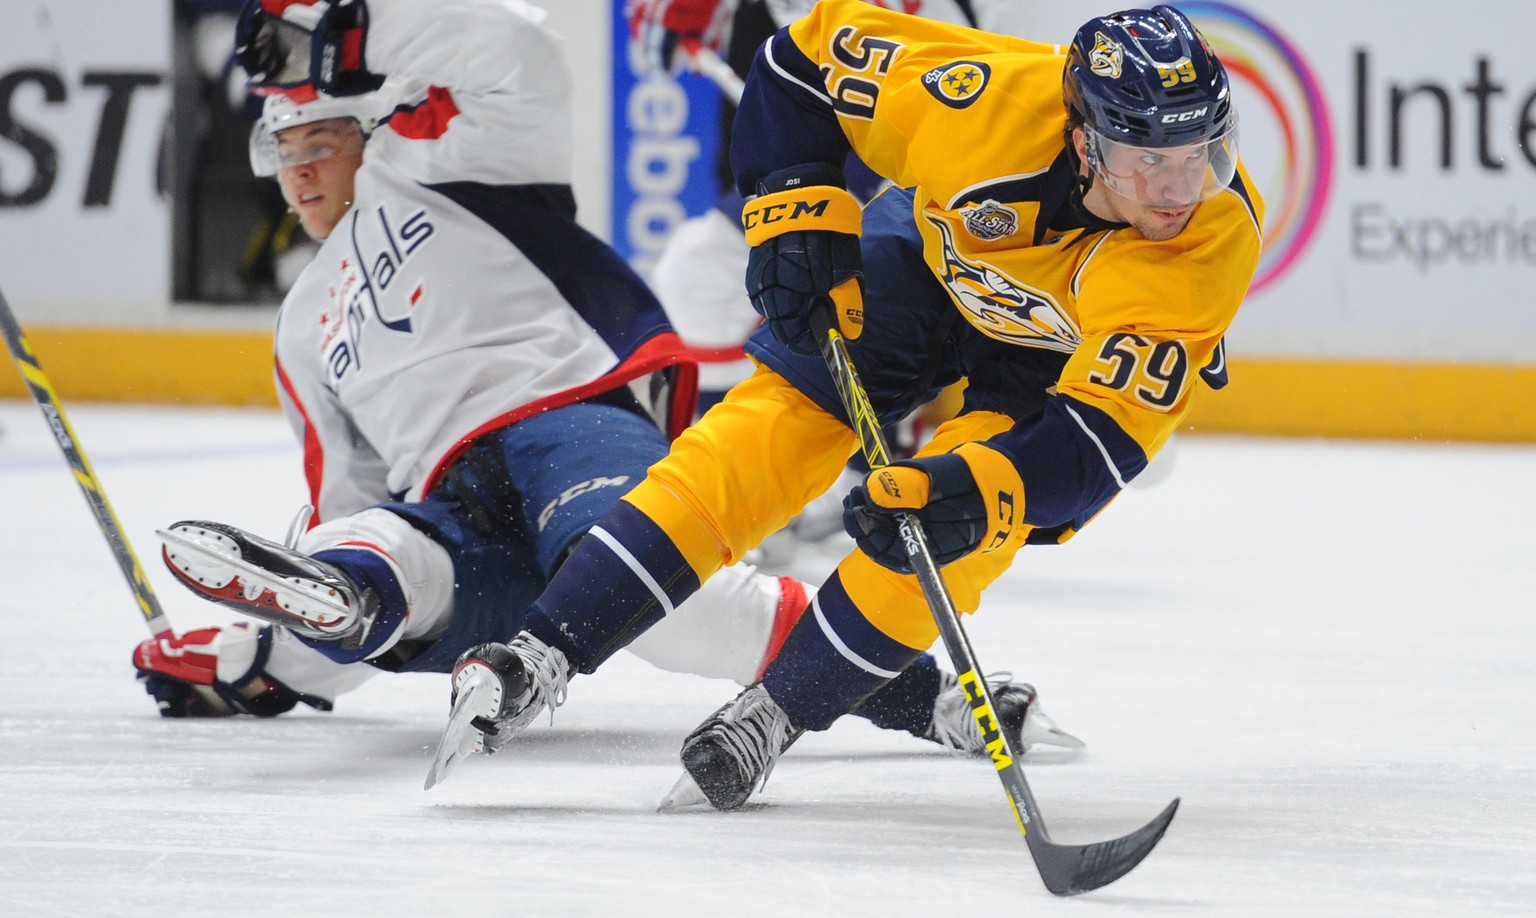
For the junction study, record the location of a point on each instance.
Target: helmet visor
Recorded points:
(1165, 176)
(273, 149)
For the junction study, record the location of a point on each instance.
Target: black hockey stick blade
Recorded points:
(1071, 869)
(1066, 869)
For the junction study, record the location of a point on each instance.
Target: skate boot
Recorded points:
(269, 582)
(1018, 711)
(732, 753)
(498, 690)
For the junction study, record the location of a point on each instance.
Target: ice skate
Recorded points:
(498, 690)
(732, 753)
(1018, 711)
(269, 582)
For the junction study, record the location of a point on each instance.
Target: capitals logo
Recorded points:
(957, 84)
(362, 294)
(1002, 308)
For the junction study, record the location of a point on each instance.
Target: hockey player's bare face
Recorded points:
(323, 158)
(1168, 187)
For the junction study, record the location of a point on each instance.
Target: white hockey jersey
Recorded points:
(458, 294)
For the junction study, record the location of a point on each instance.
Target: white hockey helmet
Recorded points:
(280, 112)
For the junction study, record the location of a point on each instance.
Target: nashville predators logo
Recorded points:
(958, 84)
(1002, 308)
(1107, 57)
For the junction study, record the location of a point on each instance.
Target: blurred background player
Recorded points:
(698, 275)
(1074, 236)
(457, 361)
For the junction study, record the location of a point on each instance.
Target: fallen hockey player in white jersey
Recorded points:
(459, 363)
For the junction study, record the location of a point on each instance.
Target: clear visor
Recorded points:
(286, 147)
(1165, 176)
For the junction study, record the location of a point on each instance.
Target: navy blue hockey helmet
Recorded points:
(1144, 80)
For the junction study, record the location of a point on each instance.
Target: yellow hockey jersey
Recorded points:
(974, 123)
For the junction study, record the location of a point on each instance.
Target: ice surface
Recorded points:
(1328, 650)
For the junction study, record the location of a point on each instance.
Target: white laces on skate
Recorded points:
(549, 676)
(954, 725)
(754, 729)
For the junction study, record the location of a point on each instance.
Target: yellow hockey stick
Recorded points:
(1066, 869)
(48, 401)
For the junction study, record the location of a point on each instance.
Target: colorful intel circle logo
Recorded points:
(1279, 82)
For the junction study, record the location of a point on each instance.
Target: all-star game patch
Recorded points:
(990, 221)
(957, 84)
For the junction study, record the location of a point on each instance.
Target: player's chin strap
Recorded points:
(1076, 198)
(1083, 185)
(1066, 869)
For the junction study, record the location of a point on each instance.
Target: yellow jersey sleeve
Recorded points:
(908, 93)
(1152, 314)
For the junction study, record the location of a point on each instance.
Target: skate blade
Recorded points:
(683, 797)
(1041, 730)
(460, 737)
(248, 573)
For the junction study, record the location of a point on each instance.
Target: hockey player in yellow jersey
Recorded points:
(1071, 232)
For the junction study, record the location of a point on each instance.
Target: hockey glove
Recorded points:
(287, 44)
(970, 500)
(215, 672)
(804, 228)
(658, 27)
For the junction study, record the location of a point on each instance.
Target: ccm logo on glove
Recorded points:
(804, 228)
(891, 485)
(968, 502)
(818, 207)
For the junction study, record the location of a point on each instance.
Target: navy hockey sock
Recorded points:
(906, 702)
(833, 661)
(620, 579)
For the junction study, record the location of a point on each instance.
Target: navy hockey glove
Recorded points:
(288, 44)
(215, 672)
(804, 228)
(970, 500)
